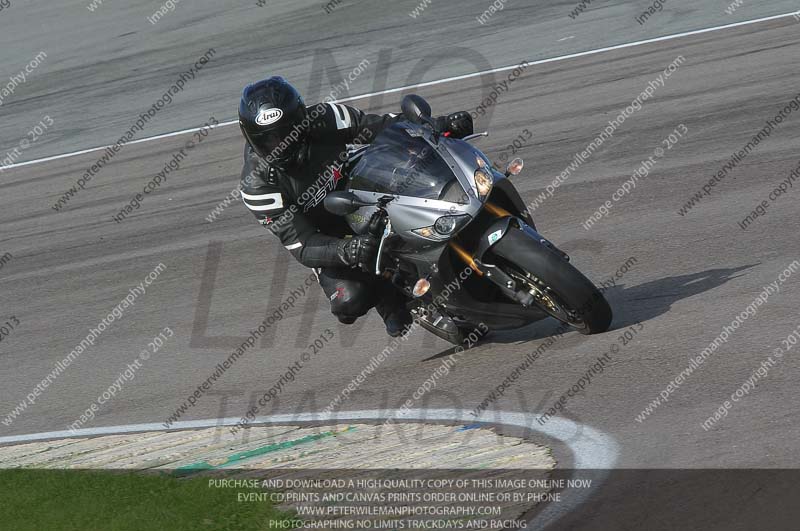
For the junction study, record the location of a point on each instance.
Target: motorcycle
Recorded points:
(455, 235)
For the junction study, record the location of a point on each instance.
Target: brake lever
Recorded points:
(474, 136)
(380, 226)
(386, 231)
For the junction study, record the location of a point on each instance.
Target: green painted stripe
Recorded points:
(203, 465)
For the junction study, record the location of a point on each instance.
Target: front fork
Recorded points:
(496, 232)
(494, 274)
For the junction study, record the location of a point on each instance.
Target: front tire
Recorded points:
(557, 286)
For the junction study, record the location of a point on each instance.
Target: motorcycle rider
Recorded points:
(293, 157)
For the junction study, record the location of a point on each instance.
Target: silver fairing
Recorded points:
(407, 212)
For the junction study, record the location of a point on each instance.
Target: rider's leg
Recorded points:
(392, 308)
(350, 293)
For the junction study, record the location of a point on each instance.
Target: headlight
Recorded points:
(484, 182)
(444, 227)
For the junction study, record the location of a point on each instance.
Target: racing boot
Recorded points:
(392, 309)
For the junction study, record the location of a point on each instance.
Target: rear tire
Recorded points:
(562, 291)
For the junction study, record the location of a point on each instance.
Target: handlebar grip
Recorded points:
(377, 223)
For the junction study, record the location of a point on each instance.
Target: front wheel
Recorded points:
(556, 286)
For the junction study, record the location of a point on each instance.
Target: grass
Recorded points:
(66, 500)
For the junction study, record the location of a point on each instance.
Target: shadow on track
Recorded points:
(639, 303)
(649, 300)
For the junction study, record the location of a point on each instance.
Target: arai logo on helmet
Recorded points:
(268, 116)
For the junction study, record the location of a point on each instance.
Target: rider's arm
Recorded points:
(304, 241)
(296, 233)
(263, 196)
(358, 127)
(355, 126)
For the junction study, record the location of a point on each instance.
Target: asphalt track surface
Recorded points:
(693, 274)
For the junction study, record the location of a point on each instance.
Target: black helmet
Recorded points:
(272, 115)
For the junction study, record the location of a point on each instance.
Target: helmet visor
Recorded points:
(265, 142)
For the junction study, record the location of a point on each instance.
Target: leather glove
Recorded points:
(458, 124)
(358, 251)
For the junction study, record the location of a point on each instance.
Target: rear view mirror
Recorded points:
(343, 203)
(416, 109)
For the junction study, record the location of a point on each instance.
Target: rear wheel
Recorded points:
(555, 285)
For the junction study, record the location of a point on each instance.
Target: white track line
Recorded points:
(432, 83)
(591, 449)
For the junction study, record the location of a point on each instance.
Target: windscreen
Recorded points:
(399, 164)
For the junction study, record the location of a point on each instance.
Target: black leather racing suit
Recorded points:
(290, 204)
